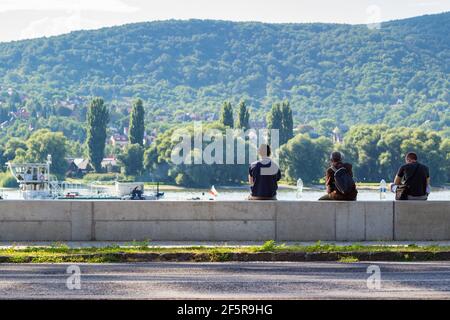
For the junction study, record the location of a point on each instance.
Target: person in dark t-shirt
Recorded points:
(263, 176)
(416, 176)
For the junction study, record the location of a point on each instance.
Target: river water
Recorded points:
(242, 193)
(287, 194)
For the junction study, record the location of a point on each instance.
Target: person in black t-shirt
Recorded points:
(416, 176)
(263, 176)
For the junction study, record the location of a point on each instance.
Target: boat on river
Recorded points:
(36, 182)
(34, 179)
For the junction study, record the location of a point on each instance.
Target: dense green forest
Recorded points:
(397, 75)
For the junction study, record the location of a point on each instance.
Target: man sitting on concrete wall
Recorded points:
(412, 181)
(339, 180)
(263, 176)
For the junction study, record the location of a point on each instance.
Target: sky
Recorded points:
(25, 19)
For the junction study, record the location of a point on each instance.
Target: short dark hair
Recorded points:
(411, 156)
(336, 156)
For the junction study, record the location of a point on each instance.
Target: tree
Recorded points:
(158, 161)
(243, 117)
(445, 150)
(43, 143)
(361, 147)
(137, 127)
(377, 151)
(287, 123)
(97, 120)
(275, 120)
(305, 158)
(2, 159)
(131, 157)
(4, 114)
(226, 115)
(12, 146)
(325, 127)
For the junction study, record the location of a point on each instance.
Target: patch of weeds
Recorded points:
(59, 245)
(18, 259)
(348, 259)
(142, 245)
(319, 247)
(109, 257)
(268, 246)
(219, 256)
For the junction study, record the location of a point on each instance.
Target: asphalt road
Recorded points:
(226, 281)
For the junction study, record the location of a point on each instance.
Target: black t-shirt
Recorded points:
(264, 185)
(417, 182)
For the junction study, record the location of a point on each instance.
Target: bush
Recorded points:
(107, 177)
(8, 181)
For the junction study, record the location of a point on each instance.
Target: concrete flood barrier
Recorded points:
(422, 220)
(223, 220)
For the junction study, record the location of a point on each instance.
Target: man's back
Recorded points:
(330, 182)
(264, 185)
(415, 175)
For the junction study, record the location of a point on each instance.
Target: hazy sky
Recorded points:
(22, 19)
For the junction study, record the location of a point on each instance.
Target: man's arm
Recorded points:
(250, 180)
(428, 188)
(399, 176)
(328, 181)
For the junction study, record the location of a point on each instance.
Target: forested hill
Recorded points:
(398, 74)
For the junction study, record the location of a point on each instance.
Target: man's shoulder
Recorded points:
(254, 164)
(414, 165)
(347, 165)
(410, 167)
(263, 162)
(423, 167)
(344, 165)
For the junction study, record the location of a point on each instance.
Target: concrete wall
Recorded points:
(224, 220)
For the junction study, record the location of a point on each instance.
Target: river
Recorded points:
(228, 193)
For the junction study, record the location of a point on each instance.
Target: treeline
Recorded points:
(43, 142)
(376, 151)
(157, 159)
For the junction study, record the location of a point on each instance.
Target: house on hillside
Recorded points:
(78, 167)
(118, 140)
(110, 164)
(22, 113)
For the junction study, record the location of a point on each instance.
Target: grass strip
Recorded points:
(269, 251)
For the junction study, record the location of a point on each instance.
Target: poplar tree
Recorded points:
(226, 115)
(97, 121)
(275, 120)
(136, 131)
(287, 123)
(243, 116)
